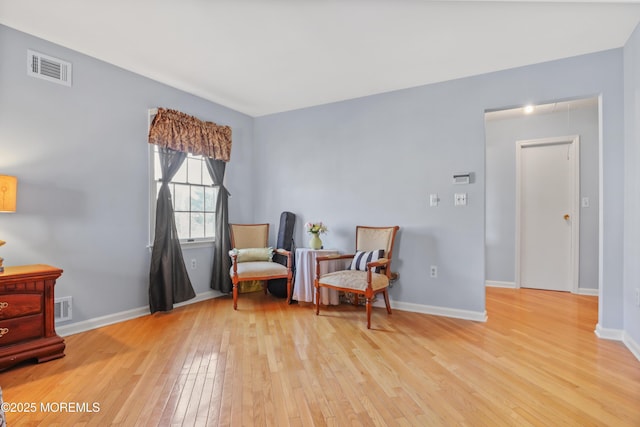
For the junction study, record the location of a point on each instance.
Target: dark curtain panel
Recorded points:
(220, 279)
(168, 279)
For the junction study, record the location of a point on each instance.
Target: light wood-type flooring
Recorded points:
(536, 361)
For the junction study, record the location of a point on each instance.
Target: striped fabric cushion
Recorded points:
(361, 259)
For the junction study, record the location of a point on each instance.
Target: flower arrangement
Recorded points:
(315, 227)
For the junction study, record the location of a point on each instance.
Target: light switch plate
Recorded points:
(433, 200)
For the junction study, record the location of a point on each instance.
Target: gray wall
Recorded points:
(81, 158)
(632, 186)
(374, 160)
(501, 137)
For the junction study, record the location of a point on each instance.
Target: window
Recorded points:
(193, 195)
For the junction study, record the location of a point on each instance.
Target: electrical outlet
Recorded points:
(638, 297)
(194, 264)
(460, 199)
(433, 271)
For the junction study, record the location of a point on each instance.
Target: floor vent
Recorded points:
(62, 309)
(48, 68)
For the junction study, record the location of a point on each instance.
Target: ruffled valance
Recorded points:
(181, 132)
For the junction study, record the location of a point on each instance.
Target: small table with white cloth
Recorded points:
(303, 289)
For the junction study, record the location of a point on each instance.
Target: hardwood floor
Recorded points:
(535, 362)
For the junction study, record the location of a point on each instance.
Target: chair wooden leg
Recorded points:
(386, 301)
(289, 290)
(368, 313)
(317, 300)
(235, 295)
(356, 299)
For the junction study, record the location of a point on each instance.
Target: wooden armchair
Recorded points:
(251, 258)
(369, 272)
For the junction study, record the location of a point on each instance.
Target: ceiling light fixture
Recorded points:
(529, 109)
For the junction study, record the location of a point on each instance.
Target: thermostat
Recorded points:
(461, 178)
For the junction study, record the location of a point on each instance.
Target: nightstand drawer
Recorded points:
(21, 329)
(17, 305)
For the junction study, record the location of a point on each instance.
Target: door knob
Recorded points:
(566, 217)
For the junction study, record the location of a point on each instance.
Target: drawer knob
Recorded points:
(3, 305)
(3, 332)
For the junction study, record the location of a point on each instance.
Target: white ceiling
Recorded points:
(266, 56)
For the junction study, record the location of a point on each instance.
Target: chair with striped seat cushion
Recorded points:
(369, 272)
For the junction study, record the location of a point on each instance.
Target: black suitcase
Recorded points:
(278, 287)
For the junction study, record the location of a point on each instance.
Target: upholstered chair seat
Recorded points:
(355, 280)
(250, 270)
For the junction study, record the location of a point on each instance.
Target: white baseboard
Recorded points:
(498, 284)
(478, 316)
(98, 322)
(609, 334)
(512, 285)
(633, 346)
(619, 335)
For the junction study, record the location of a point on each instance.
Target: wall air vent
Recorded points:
(48, 68)
(62, 309)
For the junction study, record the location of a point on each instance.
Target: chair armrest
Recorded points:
(333, 257)
(234, 261)
(373, 264)
(378, 263)
(286, 253)
(330, 258)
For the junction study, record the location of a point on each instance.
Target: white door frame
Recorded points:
(575, 205)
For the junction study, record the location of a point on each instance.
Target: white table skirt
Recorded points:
(305, 275)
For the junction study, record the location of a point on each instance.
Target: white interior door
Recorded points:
(547, 214)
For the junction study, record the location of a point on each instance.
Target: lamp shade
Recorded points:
(8, 193)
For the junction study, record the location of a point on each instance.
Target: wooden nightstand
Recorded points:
(27, 327)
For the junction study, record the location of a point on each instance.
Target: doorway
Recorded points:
(547, 213)
(503, 129)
